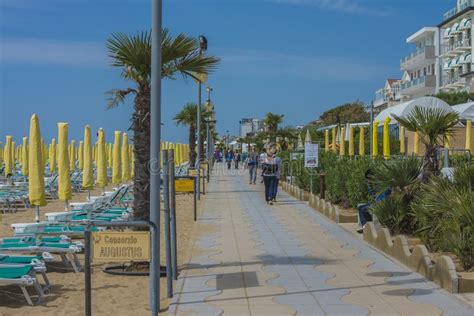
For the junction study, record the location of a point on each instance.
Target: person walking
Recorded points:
(269, 170)
(279, 163)
(229, 156)
(252, 165)
(236, 159)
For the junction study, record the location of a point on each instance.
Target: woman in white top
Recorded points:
(269, 172)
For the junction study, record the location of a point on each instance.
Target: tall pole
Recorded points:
(155, 137)
(198, 160)
(371, 126)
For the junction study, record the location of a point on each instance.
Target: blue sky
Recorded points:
(294, 57)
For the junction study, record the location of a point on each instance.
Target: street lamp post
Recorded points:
(202, 48)
(208, 138)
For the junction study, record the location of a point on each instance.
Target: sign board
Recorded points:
(184, 185)
(311, 155)
(121, 246)
(192, 173)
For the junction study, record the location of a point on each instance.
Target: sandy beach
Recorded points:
(112, 295)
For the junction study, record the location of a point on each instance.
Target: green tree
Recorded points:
(432, 125)
(347, 113)
(453, 98)
(132, 54)
(272, 121)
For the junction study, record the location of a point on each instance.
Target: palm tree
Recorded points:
(272, 121)
(188, 116)
(432, 125)
(133, 55)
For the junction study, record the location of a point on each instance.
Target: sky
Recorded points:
(292, 57)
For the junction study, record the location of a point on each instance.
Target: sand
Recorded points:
(111, 295)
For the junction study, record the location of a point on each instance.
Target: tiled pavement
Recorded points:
(250, 258)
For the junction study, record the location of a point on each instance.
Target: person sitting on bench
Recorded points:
(363, 209)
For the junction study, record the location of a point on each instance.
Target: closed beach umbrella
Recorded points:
(72, 155)
(36, 192)
(351, 141)
(468, 134)
(13, 155)
(333, 134)
(416, 143)
(81, 155)
(52, 156)
(110, 155)
(24, 157)
(362, 142)
(125, 159)
(307, 138)
(101, 162)
(402, 140)
(8, 156)
(133, 164)
(87, 176)
(342, 142)
(116, 168)
(386, 138)
(375, 144)
(326, 140)
(64, 178)
(44, 150)
(1, 152)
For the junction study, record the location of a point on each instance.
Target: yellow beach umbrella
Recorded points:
(13, 155)
(96, 152)
(116, 167)
(342, 142)
(1, 152)
(386, 138)
(101, 162)
(416, 143)
(80, 155)
(8, 156)
(351, 141)
(64, 178)
(72, 155)
(44, 150)
(87, 176)
(334, 149)
(468, 134)
(402, 140)
(133, 163)
(36, 191)
(125, 159)
(24, 157)
(362, 141)
(326, 140)
(375, 144)
(110, 155)
(52, 156)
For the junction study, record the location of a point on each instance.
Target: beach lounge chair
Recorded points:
(38, 263)
(23, 276)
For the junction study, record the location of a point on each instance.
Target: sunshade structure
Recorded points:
(8, 155)
(24, 157)
(116, 163)
(87, 177)
(81, 155)
(101, 163)
(465, 110)
(403, 109)
(64, 179)
(36, 192)
(72, 155)
(52, 156)
(126, 175)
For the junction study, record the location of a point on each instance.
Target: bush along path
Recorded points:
(252, 258)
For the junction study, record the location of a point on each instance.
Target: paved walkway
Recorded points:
(250, 258)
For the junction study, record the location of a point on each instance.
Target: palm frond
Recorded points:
(117, 97)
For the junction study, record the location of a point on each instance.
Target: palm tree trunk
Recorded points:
(141, 140)
(192, 145)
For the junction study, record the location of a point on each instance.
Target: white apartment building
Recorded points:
(387, 96)
(456, 49)
(250, 126)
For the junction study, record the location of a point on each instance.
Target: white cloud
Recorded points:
(344, 6)
(273, 64)
(53, 52)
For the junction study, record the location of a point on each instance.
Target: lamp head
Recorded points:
(202, 42)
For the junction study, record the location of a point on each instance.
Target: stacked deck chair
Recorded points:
(23, 275)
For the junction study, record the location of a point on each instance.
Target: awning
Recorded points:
(465, 24)
(446, 64)
(456, 28)
(466, 58)
(447, 32)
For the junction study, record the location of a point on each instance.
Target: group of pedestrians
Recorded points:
(270, 165)
(232, 156)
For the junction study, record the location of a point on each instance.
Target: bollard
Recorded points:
(195, 199)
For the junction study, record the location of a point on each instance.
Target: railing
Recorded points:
(446, 47)
(412, 55)
(450, 79)
(455, 10)
(413, 82)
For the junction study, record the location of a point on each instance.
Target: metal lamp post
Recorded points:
(210, 108)
(202, 48)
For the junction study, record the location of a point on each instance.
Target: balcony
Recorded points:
(448, 49)
(419, 86)
(466, 4)
(453, 82)
(416, 59)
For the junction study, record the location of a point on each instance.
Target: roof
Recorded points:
(421, 34)
(403, 109)
(465, 110)
(392, 81)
